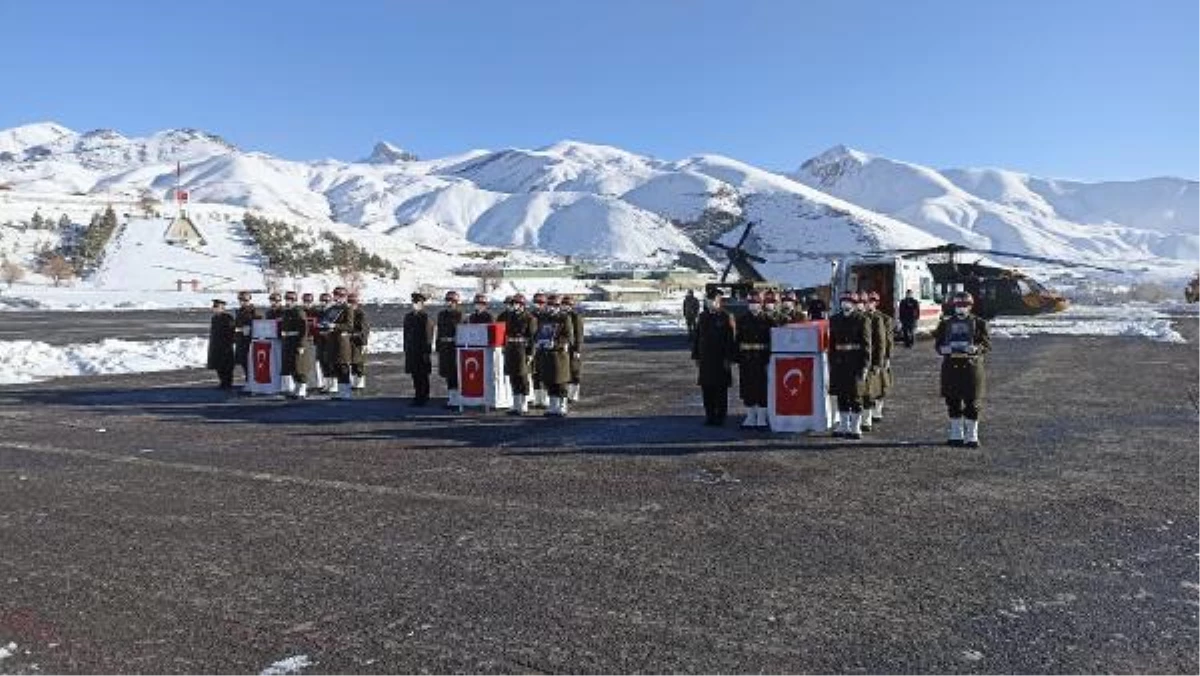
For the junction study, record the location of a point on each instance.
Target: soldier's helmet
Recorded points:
(850, 296)
(352, 297)
(480, 298)
(325, 297)
(552, 299)
(789, 297)
(568, 301)
(539, 298)
(243, 296)
(518, 299)
(451, 296)
(769, 297)
(963, 298)
(307, 297)
(290, 295)
(275, 297)
(508, 300)
(873, 296)
(339, 291)
(217, 302)
(754, 298)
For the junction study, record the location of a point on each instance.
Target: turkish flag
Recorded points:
(262, 362)
(181, 195)
(794, 385)
(470, 373)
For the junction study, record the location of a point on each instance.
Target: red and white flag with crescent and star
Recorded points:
(794, 386)
(470, 373)
(262, 361)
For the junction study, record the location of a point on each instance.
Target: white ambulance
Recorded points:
(890, 277)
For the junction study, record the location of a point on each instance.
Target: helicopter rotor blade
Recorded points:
(718, 245)
(745, 234)
(728, 267)
(756, 259)
(1047, 259)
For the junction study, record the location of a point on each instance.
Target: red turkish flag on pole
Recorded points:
(794, 386)
(470, 373)
(262, 362)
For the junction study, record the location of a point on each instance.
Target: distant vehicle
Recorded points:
(997, 290)
(890, 277)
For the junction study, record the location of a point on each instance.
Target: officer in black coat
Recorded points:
(714, 350)
(817, 308)
(481, 315)
(221, 339)
(691, 310)
(418, 348)
(910, 312)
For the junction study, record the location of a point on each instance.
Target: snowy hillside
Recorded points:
(1138, 223)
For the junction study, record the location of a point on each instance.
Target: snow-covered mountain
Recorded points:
(604, 203)
(998, 209)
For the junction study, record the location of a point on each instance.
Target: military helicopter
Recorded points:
(997, 290)
(750, 279)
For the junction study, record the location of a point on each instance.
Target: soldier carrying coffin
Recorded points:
(448, 320)
(753, 355)
(243, 324)
(849, 364)
(297, 348)
(568, 304)
(520, 328)
(552, 354)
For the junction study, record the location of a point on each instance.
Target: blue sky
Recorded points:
(1095, 89)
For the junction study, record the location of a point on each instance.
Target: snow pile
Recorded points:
(26, 361)
(291, 665)
(1136, 321)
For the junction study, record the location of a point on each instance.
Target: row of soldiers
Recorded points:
(784, 308)
(542, 349)
(325, 338)
(719, 342)
(861, 342)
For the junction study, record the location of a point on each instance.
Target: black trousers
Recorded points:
(716, 402)
(225, 375)
(343, 373)
(851, 404)
(908, 332)
(963, 408)
(420, 387)
(519, 384)
(556, 390)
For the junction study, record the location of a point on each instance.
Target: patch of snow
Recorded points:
(291, 665)
(8, 650)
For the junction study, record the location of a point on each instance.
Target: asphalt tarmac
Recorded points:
(150, 524)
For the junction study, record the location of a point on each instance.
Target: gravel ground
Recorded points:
(149, 524)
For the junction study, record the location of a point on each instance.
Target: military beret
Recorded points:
(418, 298)
(217, 302)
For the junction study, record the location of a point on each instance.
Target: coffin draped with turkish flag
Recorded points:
(265, 357)
(481, 380)
(798, 376)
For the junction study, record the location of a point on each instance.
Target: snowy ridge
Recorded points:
(1106, 223)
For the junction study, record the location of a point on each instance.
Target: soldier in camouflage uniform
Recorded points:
(243, 323)
(849, 363)
(448, 320)
(297, 348)
(520, 328)
(540, 398)
(753, 338)
(275, 309)
(552, 354)
(481, 315)
(790, 312)
(317, 311)
(875, 325)
(884, 365)
(337, 323)
(360, 332)
(568, 304)
(962, 340)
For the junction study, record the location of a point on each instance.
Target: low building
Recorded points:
(183, 232)
(628, 293)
